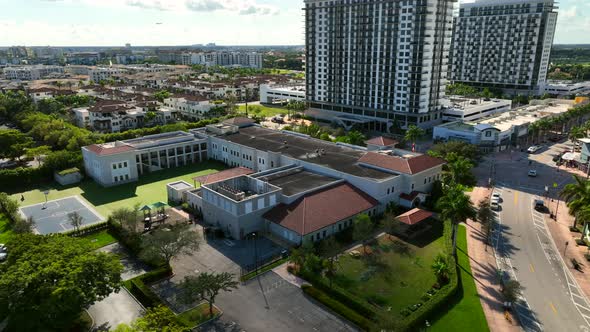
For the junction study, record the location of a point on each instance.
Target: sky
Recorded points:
(188, 22)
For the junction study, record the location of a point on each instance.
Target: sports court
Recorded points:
(54, 218)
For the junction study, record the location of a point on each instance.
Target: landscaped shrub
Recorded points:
(142, 292)
(338, 307)
(95, 228)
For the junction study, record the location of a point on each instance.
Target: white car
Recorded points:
(495, 204)
(496, 196)
(3, 256)
(533, 149)
(533, 173)
(2, 247)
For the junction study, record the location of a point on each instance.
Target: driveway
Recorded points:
(269, 303)
(118, 307)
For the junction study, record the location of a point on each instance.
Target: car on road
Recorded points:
(533, 149)
(9, 164)
(277, 119)
(533, 173)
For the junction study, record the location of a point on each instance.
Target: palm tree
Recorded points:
(414, 133)
(485, 216)
(577, 197)
(458, 170)
(455, 207)
(441, 268)
(576, 133)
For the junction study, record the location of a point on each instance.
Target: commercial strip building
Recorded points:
(567, 88)
(375, 62)
(498, 132)
(504, 44)
(283, 183)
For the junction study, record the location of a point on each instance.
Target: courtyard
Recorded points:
(394, 274)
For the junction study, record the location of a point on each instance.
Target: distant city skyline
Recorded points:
(189, 22)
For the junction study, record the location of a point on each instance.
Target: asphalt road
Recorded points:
(551, 300)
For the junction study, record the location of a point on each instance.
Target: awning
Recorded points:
(571, 156)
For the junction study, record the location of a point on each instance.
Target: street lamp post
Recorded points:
(255, 254)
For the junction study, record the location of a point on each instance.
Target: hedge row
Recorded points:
(341, 295)
(16, 178)
(338, 307)
(142, 292)
(94, 228)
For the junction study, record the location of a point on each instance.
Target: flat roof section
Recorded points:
(339, 158)
(158, 139)
(300, 182)
(180, 185)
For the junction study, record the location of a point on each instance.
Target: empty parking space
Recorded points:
(52, 217)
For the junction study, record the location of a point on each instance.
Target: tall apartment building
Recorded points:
(377, 61)
(504, 44)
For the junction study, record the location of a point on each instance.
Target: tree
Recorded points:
(161, 95)
(206, 286)
(460, 148)
(13, 143)
(576, 133)
(38, 152)
(295, 106)
(230, 103)
(9, 206)
(511, 290)
(76, 220)
(166, 243)
(158, 318)
(23, 225)
(362, 229)
(414, 133)
(458, 170)
(330, 248)
(299, 255)
(485, 216)
(391, 225)
(455, 207)
(441, 268)
(577, 197)
(53, 278)
(127, 218)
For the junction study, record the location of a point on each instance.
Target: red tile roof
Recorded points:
(105, 151)
(223, 175)
(382, 141)
(411, 165)
(321, 209)
(414, 216)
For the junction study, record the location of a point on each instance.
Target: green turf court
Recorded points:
(149, 189)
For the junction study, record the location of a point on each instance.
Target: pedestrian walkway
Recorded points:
(561, 234)
(483, 267)
(282, 271)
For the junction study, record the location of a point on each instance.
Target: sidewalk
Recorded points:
(483, 267)
(560, 232)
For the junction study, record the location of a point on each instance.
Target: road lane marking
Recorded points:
(532, 268)
(516, 198)
(553, 307)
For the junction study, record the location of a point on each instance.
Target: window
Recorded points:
(488, 133)
(114, 166)
(424, 180)
(126, 176)
(412, 186)
(388, 190)
(120, 165)
(125, 164)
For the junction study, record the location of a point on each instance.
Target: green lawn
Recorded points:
(397, 274)
(100, 239)
(465, 312)
(149, 189)
(197, 315)
(265, 111)
(5, 230)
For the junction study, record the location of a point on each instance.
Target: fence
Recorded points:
(262, 263)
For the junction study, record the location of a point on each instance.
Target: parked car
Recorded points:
(495, 205)
(277, 119)
(497, 197)
(9, 164)
(533, 173)
(3, 256)
(539, 205)
(2, 247)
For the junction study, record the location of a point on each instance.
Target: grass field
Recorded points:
(149, 189)
(5, 231)
(396, 274)
(197, 315)
(265, 111)
(465, 312)
(100, 239)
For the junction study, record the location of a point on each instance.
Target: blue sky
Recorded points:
(185, 22)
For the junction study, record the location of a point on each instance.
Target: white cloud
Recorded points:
(241, 7)
(569, 13)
